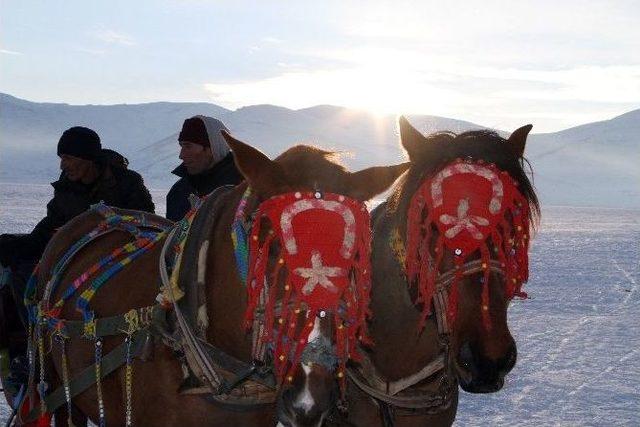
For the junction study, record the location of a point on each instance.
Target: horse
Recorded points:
(443, 277)
(158, 386)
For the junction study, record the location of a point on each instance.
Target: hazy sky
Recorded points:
(555, 64)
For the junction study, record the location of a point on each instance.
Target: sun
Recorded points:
(381, 82)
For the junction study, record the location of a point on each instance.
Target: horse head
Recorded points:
(308, 279)
(464, 213)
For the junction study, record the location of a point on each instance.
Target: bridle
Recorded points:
(405, 392)
(408, 393)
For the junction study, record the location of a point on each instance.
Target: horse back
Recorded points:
(135, 286)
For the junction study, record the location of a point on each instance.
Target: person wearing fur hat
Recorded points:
(207, 163)
(90, 174)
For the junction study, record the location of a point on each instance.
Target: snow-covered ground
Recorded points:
(578, 336)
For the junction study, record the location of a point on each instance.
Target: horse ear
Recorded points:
(262, 174)
(412, 140)
(518, 139)
(365, 184)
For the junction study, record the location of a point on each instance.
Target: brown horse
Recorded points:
(412, 373)
(306, 396)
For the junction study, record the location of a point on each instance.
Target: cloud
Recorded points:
(115, 37)
(272, 40)
(619, 84)
(90, 51)
(10, 52)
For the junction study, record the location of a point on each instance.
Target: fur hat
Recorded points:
(81, 142)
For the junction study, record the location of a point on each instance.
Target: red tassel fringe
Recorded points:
(350, 325)
(509, 241)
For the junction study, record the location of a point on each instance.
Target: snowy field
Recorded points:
(578, 336)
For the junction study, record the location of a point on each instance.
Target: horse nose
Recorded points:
(299, 413)
(485, 375)
(307, 417)
(505, 364)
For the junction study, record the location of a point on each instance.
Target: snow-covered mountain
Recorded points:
(590, 165)
(596, 164)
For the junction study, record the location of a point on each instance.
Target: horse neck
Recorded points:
(225, 293)
(395, 319)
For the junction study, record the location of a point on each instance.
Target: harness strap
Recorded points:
(201, 356)
(115, 220)
(366, 376)
(391, 388)
(245, 371)
(196, 358)
(225, 378)
(440, 302)
(133, 320)
(471, 267)
(418, 401)
(112, 361)
(197, 243)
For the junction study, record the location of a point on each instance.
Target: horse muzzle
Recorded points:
(479, 374)
(292, 415)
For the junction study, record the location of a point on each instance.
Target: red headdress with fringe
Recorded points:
(325, 245)
(476, 209)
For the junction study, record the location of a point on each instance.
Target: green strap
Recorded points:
(127, 323)
(112, 361)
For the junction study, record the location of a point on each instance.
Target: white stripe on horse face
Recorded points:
(315, 332)
(305, 400)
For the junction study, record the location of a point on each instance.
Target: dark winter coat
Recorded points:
(115, 186)
(222, 173)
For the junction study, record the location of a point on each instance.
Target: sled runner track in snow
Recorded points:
(634, 285)
(607, 370)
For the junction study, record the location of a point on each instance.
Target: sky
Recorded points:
(500, 64)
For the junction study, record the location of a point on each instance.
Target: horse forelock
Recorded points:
(305, 164)
(442, 148)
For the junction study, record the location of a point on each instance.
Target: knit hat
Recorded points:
(205, 131)
(81, 142)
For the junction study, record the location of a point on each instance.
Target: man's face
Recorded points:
(75, 168)
(195, 157)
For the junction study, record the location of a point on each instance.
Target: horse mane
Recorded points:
(302, 159)
(444, 147)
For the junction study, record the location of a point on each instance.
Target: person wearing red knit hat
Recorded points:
(207, 163)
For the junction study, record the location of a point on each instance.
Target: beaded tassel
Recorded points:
(42, 385)
(65, 376)
(30, 352)
(98, 354)
(128, 383)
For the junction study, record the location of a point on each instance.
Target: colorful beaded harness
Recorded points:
(147, 231)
